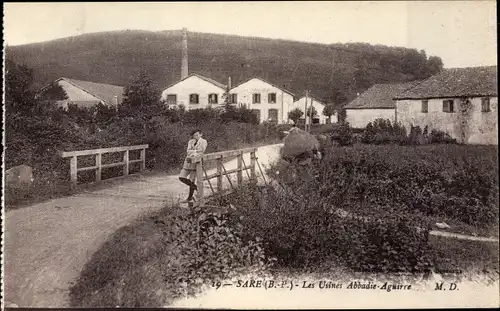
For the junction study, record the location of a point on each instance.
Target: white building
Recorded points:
(194, 92)
(266, 100)
(462, 102)
(376, 102)
(85, 93)
(319, 118)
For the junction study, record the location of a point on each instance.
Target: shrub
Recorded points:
(344, 134)
(304, 235)
(388, 196)
(211, 246)
(440, 137)
(382, 131)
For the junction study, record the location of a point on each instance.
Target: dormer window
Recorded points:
(194, 99)
(213, 98)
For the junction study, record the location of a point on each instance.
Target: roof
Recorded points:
(284, 90)
(456, 82)
(105, 92)
(212, 81)
(314, 99)
(379, 96)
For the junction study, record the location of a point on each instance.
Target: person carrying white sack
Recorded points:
(301, 147)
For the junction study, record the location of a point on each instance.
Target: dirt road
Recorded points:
(47, 244)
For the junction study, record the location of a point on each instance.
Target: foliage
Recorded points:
(36, 131)
(344, 134)
(141, 98)
(440, 137)
(299, 66)
(382, 131)
(295, 115)
(372, 205)
(328, 111)
(213, 246)
(311, 111)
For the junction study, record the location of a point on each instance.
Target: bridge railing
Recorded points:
(74, 169)
(221, 172)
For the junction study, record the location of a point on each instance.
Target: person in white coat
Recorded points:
(196, 146)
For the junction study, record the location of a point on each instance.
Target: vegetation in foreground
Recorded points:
(276, 231)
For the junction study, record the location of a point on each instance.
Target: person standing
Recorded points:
(196, 146)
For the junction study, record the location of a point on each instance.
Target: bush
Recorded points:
(440, 137)
(343, 134)
(382, 131)
(211, 246)
(388, 196)
(304, 235)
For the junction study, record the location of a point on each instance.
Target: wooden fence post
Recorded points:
(98, 171)
(125, 160)
(143, 158)
(239, 174)
(199, 179)
(252, 165)
(73, 170)
(219, 174)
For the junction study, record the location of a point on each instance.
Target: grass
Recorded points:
(134, 268)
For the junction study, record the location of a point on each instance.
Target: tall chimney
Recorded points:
(229, 83)
(184, 68)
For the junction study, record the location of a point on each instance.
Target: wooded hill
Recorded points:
(333, 72)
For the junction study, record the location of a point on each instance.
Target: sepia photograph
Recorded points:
(250, 155)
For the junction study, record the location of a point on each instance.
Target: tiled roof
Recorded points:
(105, 92)
(212, 81)
(283, 89)
(456, 82)
(379, 96)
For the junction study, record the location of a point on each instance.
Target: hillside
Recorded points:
(334, 72)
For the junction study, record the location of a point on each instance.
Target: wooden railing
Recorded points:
(74, 169)
(220, 158)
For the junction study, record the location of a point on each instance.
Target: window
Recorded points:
(213, 98)
(425, 106)
(271, 98)
(257, 113)
(256, 98)
(485, 104)
(448, 105)
(194, 99)
(172, 99)
(234, 99)
(273, 114)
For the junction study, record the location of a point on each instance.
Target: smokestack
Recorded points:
(229, 83)
(184, 68)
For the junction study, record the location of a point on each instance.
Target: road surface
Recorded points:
(48, 244)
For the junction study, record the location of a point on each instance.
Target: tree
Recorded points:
(435, 65)
(141, 98)
(18, 94)
(329, 111)
(311, 112)
(295, 115)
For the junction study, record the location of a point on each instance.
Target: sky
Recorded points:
(462, 33)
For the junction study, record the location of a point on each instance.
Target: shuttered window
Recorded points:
(448, 105)
(271, 98)
(256, 98)
(213, 98)
(194, 99)
(425, 106)
(485, 104)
